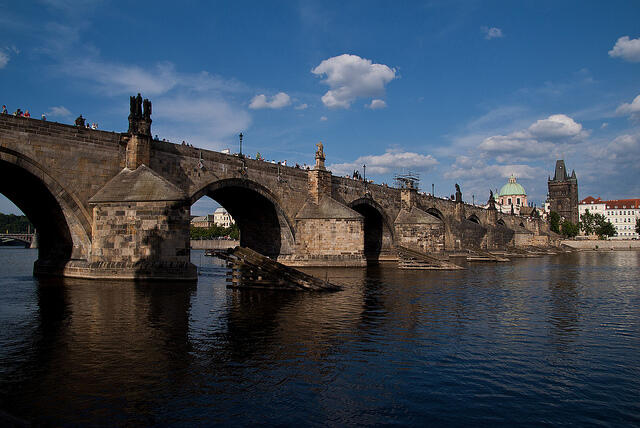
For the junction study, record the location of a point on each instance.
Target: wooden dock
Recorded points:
(253, 270)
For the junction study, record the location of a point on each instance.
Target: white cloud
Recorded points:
(387, 162)
(466, 167)
(632, 109)
(59, 112)
(546, 138)
(376, 104)
(301, 107)
(627, 49)
(624, 149)
(204, 121)
(350, 77)
(279, 100)
(115, 79)
(556, 126)
(4, 59)
(323, 118)
(492, 32)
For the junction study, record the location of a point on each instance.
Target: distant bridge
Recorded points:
(117, 205)
(27, 238)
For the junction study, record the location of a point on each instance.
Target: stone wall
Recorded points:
(137, 232)
(428, 238)
(328, 242)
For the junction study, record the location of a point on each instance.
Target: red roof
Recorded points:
(591, 200)
(623, 203)
(613, 203)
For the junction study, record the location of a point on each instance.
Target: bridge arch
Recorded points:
(474, 218)
(501, 222)
(63, 224)
(378, 228)
(264, 226)
(436, 213)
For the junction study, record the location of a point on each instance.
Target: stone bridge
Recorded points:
(117, 205)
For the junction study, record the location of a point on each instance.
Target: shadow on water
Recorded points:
(407, 347)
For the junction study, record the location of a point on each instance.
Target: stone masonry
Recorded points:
(116, 205)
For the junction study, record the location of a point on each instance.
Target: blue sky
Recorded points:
(465, 92)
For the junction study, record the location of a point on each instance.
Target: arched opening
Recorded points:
(436, 213)
(501, 222)
(522, 224)
(263, 226)
(378, 236)
(35, 200)
(474, 219)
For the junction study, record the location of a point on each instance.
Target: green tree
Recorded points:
(588, 223)
(569, 229)
(605, 230)
(554, 221)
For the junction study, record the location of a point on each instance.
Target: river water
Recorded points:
(551, 340)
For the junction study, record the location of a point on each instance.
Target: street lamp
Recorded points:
(364, 167)
(241, 143)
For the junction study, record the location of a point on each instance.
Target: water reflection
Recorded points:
(407, 347)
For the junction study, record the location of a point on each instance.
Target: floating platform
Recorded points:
(250, 269)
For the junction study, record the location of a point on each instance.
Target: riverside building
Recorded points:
(622, 213)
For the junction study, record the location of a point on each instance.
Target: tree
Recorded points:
(569, 229)
(554, 221)
(588, 223)
(606, 230)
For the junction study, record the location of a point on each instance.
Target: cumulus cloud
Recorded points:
(389, 161)
(376, 104)
(632, 109)
(556, 126)
(544, 138)
(279, 100)
(624, 149)
(59, 112)
(301, 107)
(4, 59)
(492, 32)
(627, 49)
(350, 77)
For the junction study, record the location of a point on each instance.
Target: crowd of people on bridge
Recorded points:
(80, 121)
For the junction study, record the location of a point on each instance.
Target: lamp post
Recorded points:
(241, 143)
(364, 168)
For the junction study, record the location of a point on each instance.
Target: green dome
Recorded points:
(512, 188)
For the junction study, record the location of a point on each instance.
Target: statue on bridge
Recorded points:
(458, 193)
(492, 201)
(147, 109)
(320, 156)
(139, 122)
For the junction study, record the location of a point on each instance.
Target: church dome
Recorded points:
(512, 188)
